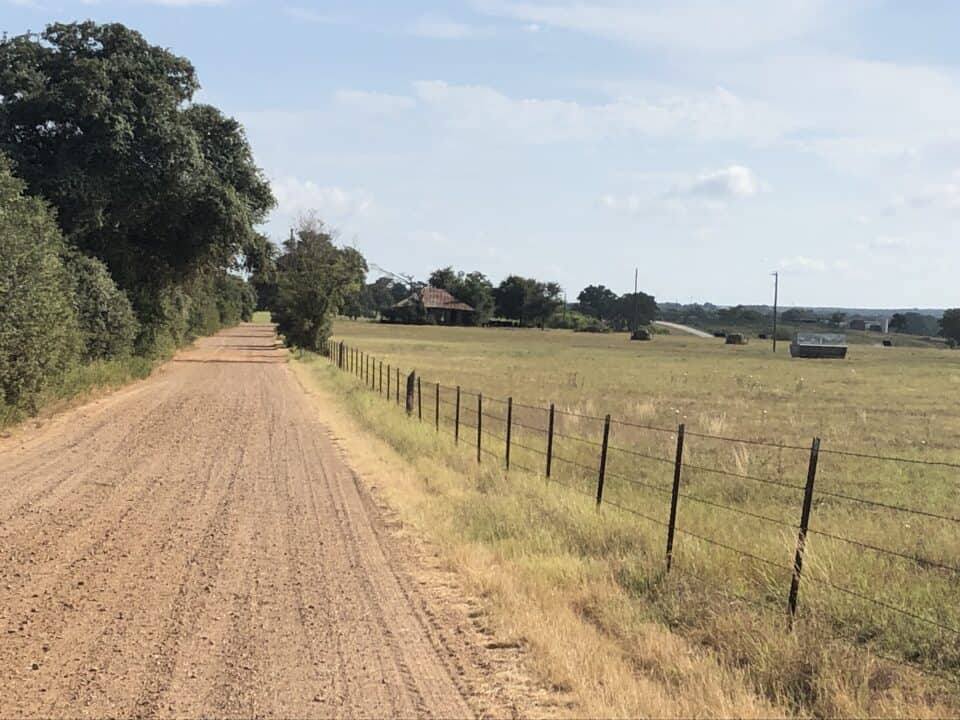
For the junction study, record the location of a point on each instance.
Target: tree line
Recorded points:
(526, 301)
(127, 211)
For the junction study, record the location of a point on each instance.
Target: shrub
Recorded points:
(108, 325)
(571, 320)
(39, 334)
(166, 325)
(236, 299)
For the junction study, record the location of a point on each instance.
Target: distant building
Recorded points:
(873, 324)
(430, 305)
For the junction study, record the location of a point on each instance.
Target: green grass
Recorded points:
(261, 317)
(888, 401)
(79, 382)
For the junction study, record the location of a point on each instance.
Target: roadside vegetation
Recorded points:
(846, 657)
(107, 266)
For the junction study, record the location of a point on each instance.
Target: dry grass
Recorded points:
(879, 400)
(532, 573)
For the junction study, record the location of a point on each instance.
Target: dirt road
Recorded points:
(195, 545)
(683, 329)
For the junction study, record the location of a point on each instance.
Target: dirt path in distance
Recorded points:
(195, 545)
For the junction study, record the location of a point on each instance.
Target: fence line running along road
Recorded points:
(364, 366)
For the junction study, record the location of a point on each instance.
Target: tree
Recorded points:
(634, 309)
(837, 318)
(509, 297)
(530, 301)
(476, 290)
(472, 288)
(950, 325)
(739, 315)
(313, 275)
(358, 302)
(386, 292)
(39, 333)
(443, 278)
(98, 122)
(598, 301)
(258, 261)
(912, 323)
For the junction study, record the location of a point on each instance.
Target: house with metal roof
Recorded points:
(430, 305)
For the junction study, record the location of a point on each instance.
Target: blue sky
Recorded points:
(708, 143)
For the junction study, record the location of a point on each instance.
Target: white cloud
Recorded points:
(439, 28)
(332, 204)
(312, 16)
(683, 25)
(802, 264)
(714, 115)
(372, 103)
(735, 181)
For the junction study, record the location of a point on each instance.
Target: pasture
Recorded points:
(876, 629)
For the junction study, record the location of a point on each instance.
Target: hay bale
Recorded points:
(736, 339)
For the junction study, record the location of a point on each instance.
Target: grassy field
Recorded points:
(737, 534)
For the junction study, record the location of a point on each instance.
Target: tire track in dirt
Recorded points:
(197, 546)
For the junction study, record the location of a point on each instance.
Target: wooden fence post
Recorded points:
(411, 380)
(550, 441)
(381, 377)
(436, 410)
(603, 459)
(675, 496)
(804, 525)
(456, 422)
(509, 427)
(479, 423)
(398, 386)
(388, 383)
(419, 400)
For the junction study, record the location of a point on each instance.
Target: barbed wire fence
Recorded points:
(503, 428)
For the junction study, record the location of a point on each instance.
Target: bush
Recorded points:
(165, 326)
(39, 334)
(571, 320)
(236, 300)
(108, 325)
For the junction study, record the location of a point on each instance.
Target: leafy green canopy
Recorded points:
(96, 121)
(39, 335)
(313, 277)
(108, 325)
(528, 300)
(472, 288)
(950, 326)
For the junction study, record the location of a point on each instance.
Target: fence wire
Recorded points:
(371, 372)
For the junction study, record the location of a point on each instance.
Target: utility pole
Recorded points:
(636, 299)
(776, 292)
